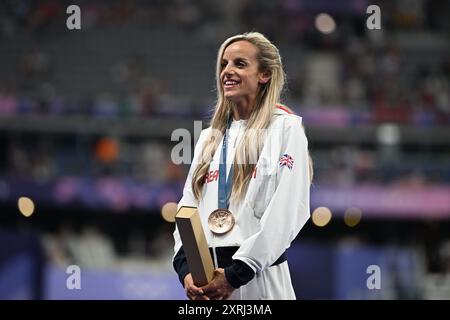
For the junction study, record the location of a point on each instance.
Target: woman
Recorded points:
(253, 165)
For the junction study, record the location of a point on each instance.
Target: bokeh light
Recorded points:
(168, 211)
(26, 206)
(325, 23)
(321, 216)
(352, 216)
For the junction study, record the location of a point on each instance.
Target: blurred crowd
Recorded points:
(351, 77)
(145, 161)
(366, 71)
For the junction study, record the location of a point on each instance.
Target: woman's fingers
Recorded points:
(195, 293)
(201, 297)
(195, 290)
(192, 291)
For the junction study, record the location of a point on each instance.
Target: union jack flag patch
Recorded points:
(286, 161)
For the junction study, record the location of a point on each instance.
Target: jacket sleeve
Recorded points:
(188, 199)
(287, 211)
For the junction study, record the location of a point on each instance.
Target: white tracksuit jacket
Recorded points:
(274, 209)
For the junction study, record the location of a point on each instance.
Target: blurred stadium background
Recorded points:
(86, 118)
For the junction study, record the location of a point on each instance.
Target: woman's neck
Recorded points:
(243, 109)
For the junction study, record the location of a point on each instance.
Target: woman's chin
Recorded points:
(231, 96)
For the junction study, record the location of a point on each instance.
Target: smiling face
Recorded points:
(240, 75)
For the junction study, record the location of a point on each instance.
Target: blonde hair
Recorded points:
(269, 60)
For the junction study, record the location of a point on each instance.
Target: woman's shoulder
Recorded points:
(284, 117)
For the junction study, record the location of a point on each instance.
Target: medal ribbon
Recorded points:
(225, 185)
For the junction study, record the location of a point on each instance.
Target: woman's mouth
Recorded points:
(229, 84)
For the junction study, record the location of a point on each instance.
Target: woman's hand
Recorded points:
(219, 288)
(192, 291)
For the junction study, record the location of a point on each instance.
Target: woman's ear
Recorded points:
(264, 77)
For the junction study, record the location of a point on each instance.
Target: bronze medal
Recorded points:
(220, 221)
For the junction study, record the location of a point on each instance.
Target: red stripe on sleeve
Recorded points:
(284, 109)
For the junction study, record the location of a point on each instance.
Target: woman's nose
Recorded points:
(228, 70)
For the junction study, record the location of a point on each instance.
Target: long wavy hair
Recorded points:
(268, 95)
